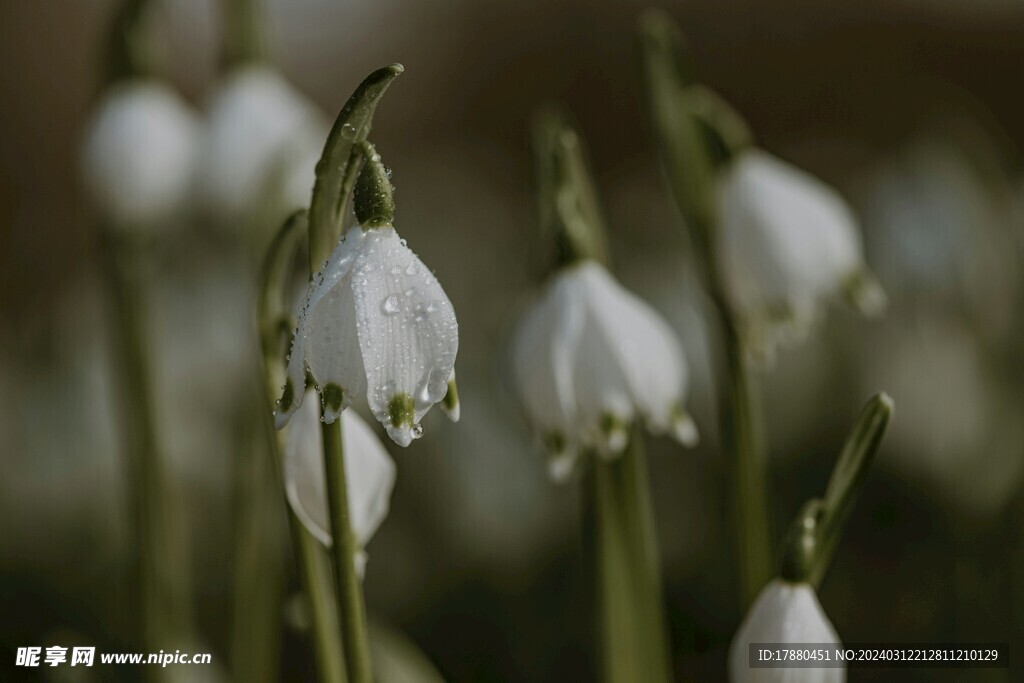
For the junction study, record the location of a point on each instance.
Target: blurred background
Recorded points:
(912, 108)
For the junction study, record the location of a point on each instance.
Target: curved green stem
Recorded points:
(634, 645)
(814, 534)
(337, 170)
(351, 614)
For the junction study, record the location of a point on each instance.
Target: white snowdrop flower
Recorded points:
(369, 472)
(139, 154)
(784, 612)
(786, 244)
(590, 358)
(375, 322)
(253, 119)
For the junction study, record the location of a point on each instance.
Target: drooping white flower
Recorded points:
(139, 154)
(590, 358)
(786, 243)
(256, 121)
(783, 612)
(369, 472)
(375, 322)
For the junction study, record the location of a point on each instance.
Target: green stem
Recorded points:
(750, 486)
(628, 573)
(259, 575)
(312, 562)
(129, 51)
(696, 132)
(243, 32)
(314, 565)
(161, 571)
(848, 475)
(569, 210)
(351, 613)
(315, 577)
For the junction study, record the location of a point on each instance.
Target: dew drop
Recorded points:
(411, 292)
(417, 431)
(390, 305)
(412, 269)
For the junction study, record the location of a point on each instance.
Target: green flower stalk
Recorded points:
(787, 609)
(592, 362)
(137, 160)
(374, 322)
(683, 116)
(244, 38)
(814, 534)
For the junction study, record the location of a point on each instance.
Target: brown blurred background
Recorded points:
(912, 108)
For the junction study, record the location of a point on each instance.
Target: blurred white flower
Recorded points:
(369, 472)
(257, 127)
(787, 243)
(783, 613)
(374, 321)
(959, 433)
(940, 214)
(589, 359)
(139, 154)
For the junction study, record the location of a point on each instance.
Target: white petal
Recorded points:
(407, 332)
(783, 613)
(369, 471)
(332, 351)
(628, 353)
(253, 116)
(327, 322)
(562, 465)
(543, 351)
(785, 241)
(139, 154)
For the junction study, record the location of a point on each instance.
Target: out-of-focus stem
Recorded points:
(351, 613)
(243, 32)
(161, 565)
(629, 596)
(749, 475)
(259, 575)
(696, 131)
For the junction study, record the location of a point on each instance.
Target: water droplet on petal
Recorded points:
(411, 291)
(390, 305)
(412, 269)
(417, 430)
